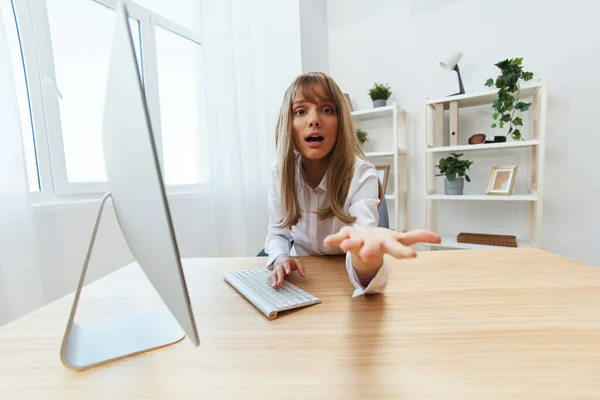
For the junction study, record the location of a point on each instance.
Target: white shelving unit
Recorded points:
(536, 92)
(398, 169)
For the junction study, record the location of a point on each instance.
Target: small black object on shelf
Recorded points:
(497, 139)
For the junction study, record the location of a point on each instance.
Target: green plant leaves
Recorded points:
(507, 83)
(453, 167)
(380, 91)
(362, 136)
(522, 106)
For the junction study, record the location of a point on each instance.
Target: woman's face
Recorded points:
(315, 126)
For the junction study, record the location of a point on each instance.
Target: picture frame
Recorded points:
(347, 97)
(502, 180)
(383, 172)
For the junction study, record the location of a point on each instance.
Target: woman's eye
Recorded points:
(328, 110)
(300, 112)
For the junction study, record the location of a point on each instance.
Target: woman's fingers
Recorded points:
(370, 249)
(273, 277)
(280, 277)
(287, 265)
(350, 245)
(397, 250)
(418, 236)
(337, 238)
(300, 268)
(277, 277)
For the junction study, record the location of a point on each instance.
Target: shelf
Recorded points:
(373, 112)
(395, 151)
(485, 97)
(383, 153)
(488, 146)
(450, 242)
(466, 197)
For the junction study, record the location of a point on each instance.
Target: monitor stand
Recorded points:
(88, 346)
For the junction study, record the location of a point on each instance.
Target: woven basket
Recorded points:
(487, 239)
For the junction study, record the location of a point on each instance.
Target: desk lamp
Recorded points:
(452, 64)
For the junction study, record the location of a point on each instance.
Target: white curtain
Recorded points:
(20, 284)
(252, 52)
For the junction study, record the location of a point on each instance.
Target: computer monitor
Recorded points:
(139, 199)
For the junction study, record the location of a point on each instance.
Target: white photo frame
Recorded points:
(502, 180)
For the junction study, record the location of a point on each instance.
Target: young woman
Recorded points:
(324, 194)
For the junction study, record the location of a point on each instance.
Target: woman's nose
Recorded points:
(314, 121)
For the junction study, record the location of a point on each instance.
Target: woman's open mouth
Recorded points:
(315, 138)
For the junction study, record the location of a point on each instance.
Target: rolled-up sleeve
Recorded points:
(363, 206)
(279, 240)
(377, 284)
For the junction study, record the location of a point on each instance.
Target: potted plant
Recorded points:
(505, 106)
(362, 136)
(379, 93)
(455, 171)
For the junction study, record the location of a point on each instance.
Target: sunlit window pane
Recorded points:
(82, 35)
(179, 86)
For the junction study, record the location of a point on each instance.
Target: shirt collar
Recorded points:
(300, 180)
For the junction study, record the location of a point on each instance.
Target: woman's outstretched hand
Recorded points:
(370, 245)
(375, 242)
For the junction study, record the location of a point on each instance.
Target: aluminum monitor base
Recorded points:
(88, 346)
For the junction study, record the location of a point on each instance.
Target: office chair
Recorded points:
(384, 222)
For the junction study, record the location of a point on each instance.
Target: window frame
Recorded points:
(34, 31)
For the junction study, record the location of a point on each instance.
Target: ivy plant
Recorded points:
(505, 106)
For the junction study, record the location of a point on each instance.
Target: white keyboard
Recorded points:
(253, 285)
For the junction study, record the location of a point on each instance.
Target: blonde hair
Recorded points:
(341, 166)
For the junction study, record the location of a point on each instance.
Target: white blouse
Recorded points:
(309, 233)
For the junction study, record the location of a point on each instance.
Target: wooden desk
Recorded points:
(473, 324)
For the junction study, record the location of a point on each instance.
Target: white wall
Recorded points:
(313, 29)
(64, 232)
(402, 42)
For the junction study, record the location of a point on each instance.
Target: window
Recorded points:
(67, 46)
(14, 48)
(81, 33)
(179, 64)
(183, 12)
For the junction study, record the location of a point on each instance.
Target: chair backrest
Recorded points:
(384, 218)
